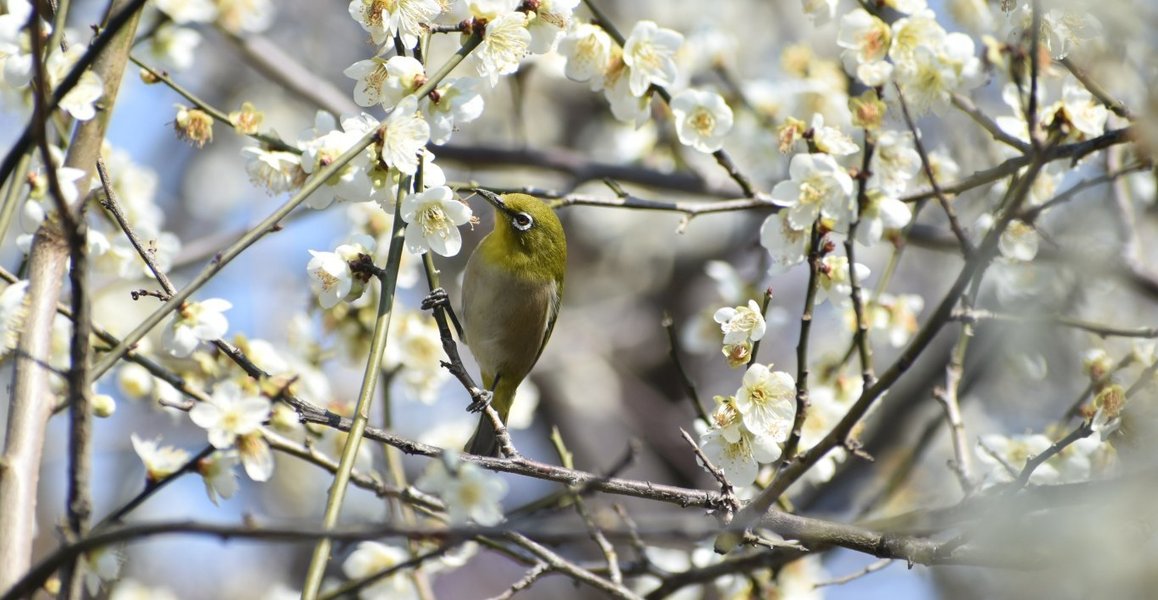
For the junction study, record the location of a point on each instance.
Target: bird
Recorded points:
(511, 293)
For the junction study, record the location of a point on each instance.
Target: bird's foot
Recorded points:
(436, 298)
(482, 399)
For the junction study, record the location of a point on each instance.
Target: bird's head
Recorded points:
(526, 225)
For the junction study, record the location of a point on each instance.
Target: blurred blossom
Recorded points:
(470, 492)
(188, 11)
(217, 472)
(245, 16)
(369, 558)
(131, 589)
(881, 213)
(834, 279)
(160, 461)
(13, 310)
(101, 566)
(415, 347)
(196, 322)
(819, 11)
(172, 47)
(1019, 241)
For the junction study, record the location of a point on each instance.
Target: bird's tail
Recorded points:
(485, 441)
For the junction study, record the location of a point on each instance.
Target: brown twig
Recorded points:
(950, 214)
(674, 352)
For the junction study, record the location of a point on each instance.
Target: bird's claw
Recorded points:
(482, 399)
(436, 298)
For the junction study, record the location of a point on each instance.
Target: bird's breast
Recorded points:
(506, 316)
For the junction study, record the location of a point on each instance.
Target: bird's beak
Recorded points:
(494, 199)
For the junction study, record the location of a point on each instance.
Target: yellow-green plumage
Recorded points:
(510, 298)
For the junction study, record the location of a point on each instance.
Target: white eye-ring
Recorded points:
(522, 221)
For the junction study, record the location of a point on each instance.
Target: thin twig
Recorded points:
(597, 535)
(1096, 90)
(561, 565)
(726, 488)
(674, 352)
(523, 583)
(814, 254)
(870, 568)
(927, 166)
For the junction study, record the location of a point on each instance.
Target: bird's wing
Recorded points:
(552, 315)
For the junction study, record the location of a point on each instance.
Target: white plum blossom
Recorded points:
(649, 54)
(734, 449)
(866, 40)
(374, 557)
(588, 49)
(1084, 112)
(414, 345)
(503, 47)
(818, 187)
(830, 139)
(101, 565)
(931, 71)
(245, 16)
(322, 146)
(385, 82)
(256, 456)
(881, 213)
(470, 492)
(160, 461)
(405, 135)
(196, 322)
(552, 18)
(787, 246)
(819, 11)
(131, 589)
(80, 100)
(767, 401)
(1063, 29)
(275, 170)
(1004, 457)
(741, 323)
(229, 413)
(383, 19)
(624, 105)
(895, 162)
(1019, 241)
(834, 281)
(188, 11)
(893, 317)
(486, 10)
(702, 119)
(433, 218)
(15, 43)
(218, 475)
(172, 47)
(331, 277)
(458, 101)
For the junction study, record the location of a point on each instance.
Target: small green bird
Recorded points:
(510, 297)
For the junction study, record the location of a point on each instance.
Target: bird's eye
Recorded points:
(523, 221)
